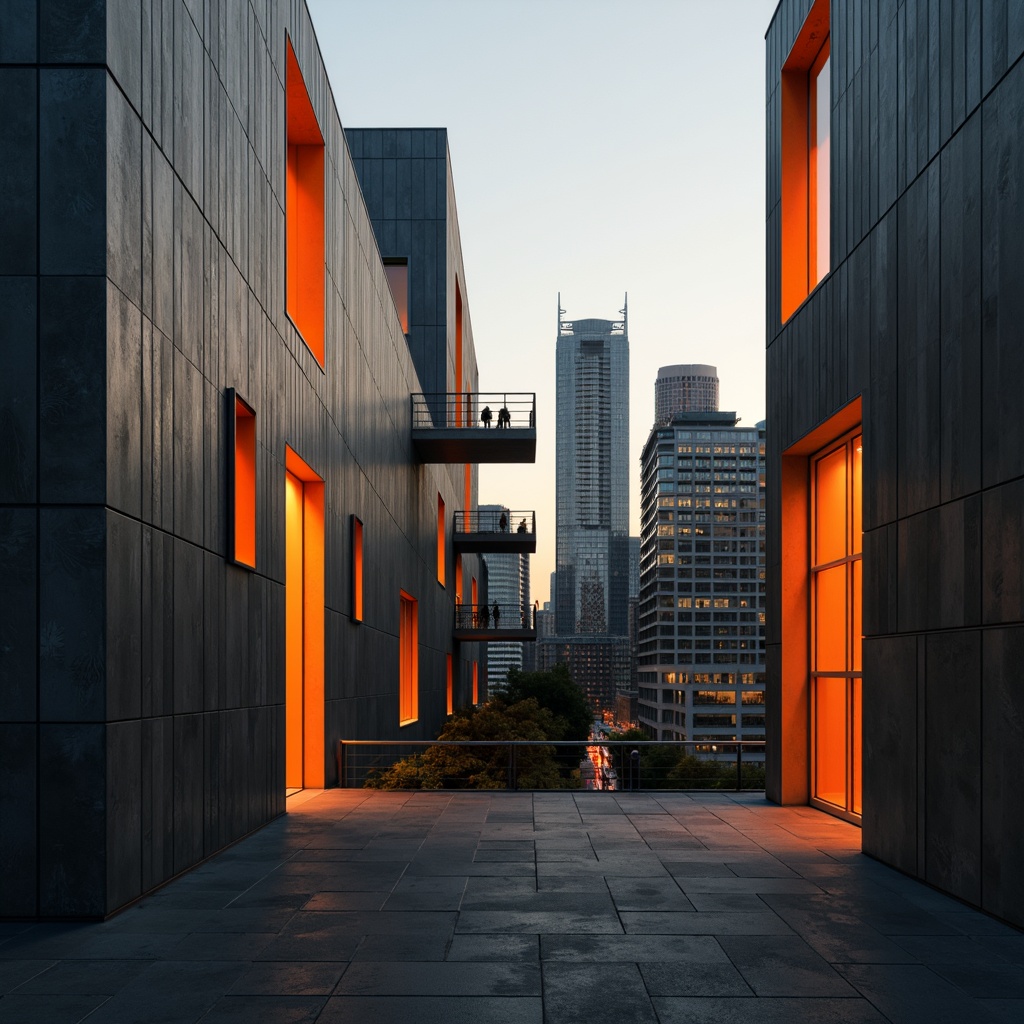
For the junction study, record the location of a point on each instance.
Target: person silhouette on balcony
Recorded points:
(521, 528)
(503, 521)
(504, 418)
(485, 416)
(485, 617)
(497, 614)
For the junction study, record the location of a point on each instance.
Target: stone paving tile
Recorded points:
(785, 966)
(617, 949)
(452, 979)
(502, 948)
(624, 906)
(289, 979)
(432, 1010)
(695, 1010)
(647, 894)
(266, 1009)
(914, 993)
(616, 994)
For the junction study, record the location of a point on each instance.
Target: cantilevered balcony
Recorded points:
(490, 531)
(478, 622)
(475, 427)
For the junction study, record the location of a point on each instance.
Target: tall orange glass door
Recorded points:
(304, 626)
(836, 602)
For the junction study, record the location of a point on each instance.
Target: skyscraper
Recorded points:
(591, 585)
(685, 387)
(592, 476)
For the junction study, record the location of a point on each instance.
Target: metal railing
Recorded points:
(494, 521)
(608, 765)
(482, 616)
(496, 410)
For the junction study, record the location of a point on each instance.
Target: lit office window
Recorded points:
(408, 660)
(243, 490)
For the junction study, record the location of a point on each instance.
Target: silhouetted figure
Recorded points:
(521, 528)
(503, 521)
(504, 417)
(485, 617)
(497, 614)
(485, 416)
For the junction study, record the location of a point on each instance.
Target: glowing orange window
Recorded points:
(476, 684)
(408, 660)
(304, 211)
(357, 569)
(836, 600)
(440, 541)
(397, 273)
(243, 485)
(805, 168)
(458, 579)
(448, 684)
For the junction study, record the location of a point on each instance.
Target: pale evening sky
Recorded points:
(598, 147)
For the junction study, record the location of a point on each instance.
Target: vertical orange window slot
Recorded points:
(461, 406)
(473, 595)
(304, 624)
(357, 569)
(408, 661)
(397, 273)
(440, 541)
(304, 211)
(458, 579)
(805, 214)
(467, 497)
(243, 490)
(448, 684)
(476, 683)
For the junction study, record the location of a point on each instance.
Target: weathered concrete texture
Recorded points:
(142, 276)
(920, 318)
(561, 908)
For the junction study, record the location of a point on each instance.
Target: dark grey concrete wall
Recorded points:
(921, 316)
(141, 672)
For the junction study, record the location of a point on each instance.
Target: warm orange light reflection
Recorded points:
(476, 683)
(440, 541)
(357, 569)
(461, 407)
(837, 599)
(467, 496)
(448, 684)
(245, 484)
(304, 211)
(804, 161)
(408, 659)
(397, 273)
(304, 625)
(458, 579)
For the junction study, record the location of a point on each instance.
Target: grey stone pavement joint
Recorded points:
(540, 908)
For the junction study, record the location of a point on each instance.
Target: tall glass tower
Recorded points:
(592, 476)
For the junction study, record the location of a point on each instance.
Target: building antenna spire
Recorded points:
(625, 312)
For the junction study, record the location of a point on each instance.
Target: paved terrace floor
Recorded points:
(474, 908)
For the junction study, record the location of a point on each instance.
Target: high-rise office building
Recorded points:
(508, 587)
(685, 387)
(592, 476)
(701, 616)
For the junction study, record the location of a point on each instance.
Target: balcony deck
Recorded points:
(561, 907)
(483, 532)
(448, 428)
(477, 623)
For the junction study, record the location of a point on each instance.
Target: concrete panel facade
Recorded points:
(142, 670)
(918, 318)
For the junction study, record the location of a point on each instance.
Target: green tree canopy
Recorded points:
(555, 691)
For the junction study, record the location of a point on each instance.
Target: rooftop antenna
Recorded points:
(625, 313)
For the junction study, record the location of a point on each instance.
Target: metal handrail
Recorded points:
(498, 410)
(630, 770)
(481, 616)
(490, 521)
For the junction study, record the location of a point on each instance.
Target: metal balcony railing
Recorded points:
(494, 621)
(495, 530)
(475, 426)
(596, 764)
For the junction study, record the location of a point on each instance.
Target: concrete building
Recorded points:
(227, 529)
(701, 640)
(685, 387)
(895, 242)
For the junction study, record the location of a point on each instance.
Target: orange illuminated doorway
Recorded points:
(304, 625)
(836, 602)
